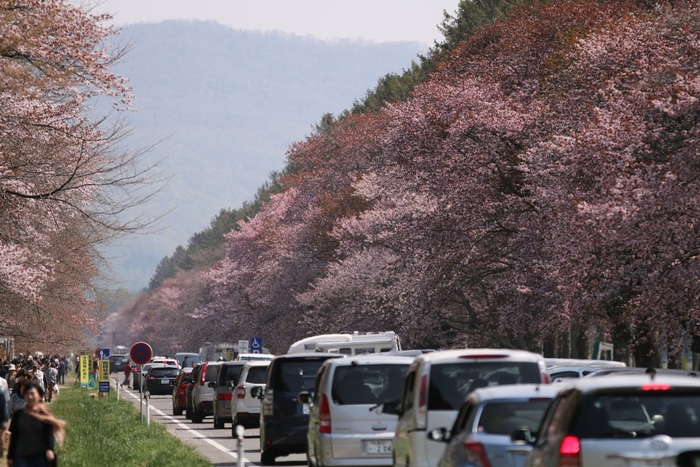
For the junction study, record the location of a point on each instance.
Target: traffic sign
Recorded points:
(141, 353)
(243, 346)
(104, 386)
(104, 354)
(256, 345)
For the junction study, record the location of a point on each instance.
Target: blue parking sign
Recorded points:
(256, 345)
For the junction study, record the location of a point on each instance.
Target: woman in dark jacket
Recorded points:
(34, 432)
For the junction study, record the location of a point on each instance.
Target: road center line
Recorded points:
(198, 434)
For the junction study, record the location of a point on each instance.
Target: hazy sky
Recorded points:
(377, 20)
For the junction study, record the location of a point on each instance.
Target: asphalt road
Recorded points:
(216, 445)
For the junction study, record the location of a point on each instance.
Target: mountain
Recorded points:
(223, 106)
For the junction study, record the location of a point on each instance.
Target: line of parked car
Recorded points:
(471, 408)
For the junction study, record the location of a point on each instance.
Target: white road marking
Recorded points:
(197, 434)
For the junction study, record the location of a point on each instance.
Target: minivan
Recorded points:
(226, 379)
(346, 424)
(437, 384)
(283, 421)
(245, 407)
(203, 391)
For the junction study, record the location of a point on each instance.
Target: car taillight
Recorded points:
(476, 454)
(150, 377)
(267, 407)
(203, 374)
(569, 451)
(422, 402)
(545, 378)
(223, 396)
(241, 391)
(324, 416)
(483, 356)
(656, 387)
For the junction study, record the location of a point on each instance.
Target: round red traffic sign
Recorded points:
(141, 353)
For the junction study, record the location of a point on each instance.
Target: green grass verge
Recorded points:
(108, 432)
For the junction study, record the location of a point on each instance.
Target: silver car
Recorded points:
(620, 421)
(346, 423)
(245, 407)
(481, 434)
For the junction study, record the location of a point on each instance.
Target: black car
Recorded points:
(159, 379)
(117, 363)
(284, 422)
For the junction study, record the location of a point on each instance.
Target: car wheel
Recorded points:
(177, 410)
(267, 457)
(197, 416)
(188, 413)
(219, 424)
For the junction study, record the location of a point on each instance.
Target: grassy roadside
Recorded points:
(108, 432)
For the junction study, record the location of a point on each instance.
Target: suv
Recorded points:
(226, 380)
(203, 391)
(618, 421)
(283, 421)
(245, 407)
(346, 426)
(438, 383)
(482, 432)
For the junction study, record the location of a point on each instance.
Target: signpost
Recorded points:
(141, 353)
(243, 346)
(85, 370)
(103, 374)
(256, 345)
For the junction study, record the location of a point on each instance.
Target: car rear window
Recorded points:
(161, 372)
(450, 383)
(257, 375)
(368, 384)
(295, 375)
(638, 416)
(229, 372)
(502, 418)
(210, 375)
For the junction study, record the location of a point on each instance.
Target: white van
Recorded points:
(436, 386)
(346, 423)
(356, 343)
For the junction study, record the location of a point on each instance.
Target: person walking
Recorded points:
(127, 374)
(34, 432)
(51, 376)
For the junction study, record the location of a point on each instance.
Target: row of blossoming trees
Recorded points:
(63, 185)
(541, 188)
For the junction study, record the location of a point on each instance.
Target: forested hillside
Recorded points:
(537, 190)
(221, 107)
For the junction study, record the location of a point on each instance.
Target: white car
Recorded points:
(437, 384)
(255, 357)
(620, 421)
(245, 407)
(346, 423)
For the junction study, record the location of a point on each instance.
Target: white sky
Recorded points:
(376, 20)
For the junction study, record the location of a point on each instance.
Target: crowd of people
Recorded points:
(26, 383)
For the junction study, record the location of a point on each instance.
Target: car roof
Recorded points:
(304, 355)
(516, 391)
(250, 363)
(637, 371)
(479, 355)
(552, 369)
(633, 381)
(372, 359)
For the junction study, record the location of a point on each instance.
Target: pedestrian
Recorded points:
(38, 374)
(51, 376)
(4, 417)
(17, 396)
(61, 369)
(34, 432)
(127, 374)
(185, 362)
(11, 375)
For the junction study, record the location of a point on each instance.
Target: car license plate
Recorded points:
(305, 409)
(378, 447)
(164, 381)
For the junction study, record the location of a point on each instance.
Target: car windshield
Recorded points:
(502, 418)
(257, 375)
(296, 375)
(163, 372)
(638, 415)
(368, 384)
(450, 383)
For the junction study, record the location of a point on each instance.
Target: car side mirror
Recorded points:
(304, 397)
(441, 435)
(257, 392)
(212, 384)
(522, 435)
(392, 407)
(230, 385)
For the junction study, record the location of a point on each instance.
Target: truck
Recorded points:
(349, 343)
(212, 351)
